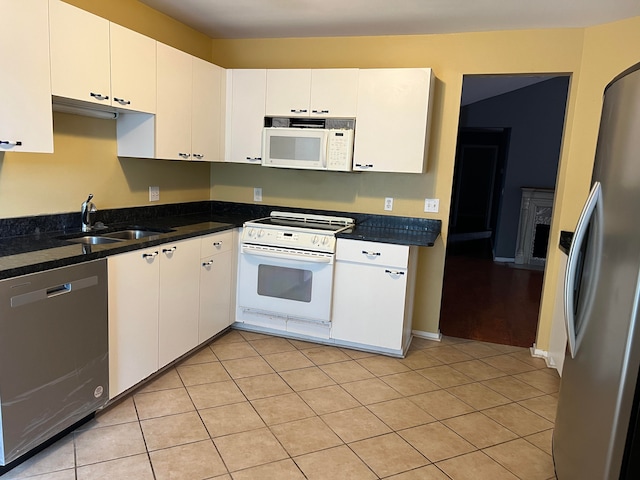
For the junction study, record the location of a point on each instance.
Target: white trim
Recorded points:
(536, 352)
(504, 259)
(427, 335)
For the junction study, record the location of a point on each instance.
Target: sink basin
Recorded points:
(132, 234)
(93, 240)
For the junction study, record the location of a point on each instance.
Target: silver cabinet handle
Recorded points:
(217, 244)
(184, 155)
(169, 250)
(320, 111)
(99, 96)
(9, 143)
(293, 110)
(122, 101)
(365, 165)
(370, 254)
(199, 156)
(254, 159)
(394, 272)
(207, 264)
(150, 255)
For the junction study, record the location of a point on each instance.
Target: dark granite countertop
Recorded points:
(34, 244)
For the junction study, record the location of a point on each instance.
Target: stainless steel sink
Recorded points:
(131, 234)
(114, 237)
(93, 240)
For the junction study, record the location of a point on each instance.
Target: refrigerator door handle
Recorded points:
(591, 207)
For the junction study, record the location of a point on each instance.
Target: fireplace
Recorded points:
(533, 230)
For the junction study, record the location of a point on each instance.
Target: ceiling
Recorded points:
(321, 18)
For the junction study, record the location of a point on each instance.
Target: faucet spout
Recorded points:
(88, 207)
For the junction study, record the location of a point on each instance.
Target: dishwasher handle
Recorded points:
(53, 291)
(58, 290)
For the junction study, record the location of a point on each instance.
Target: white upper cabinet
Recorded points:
(334, 92)
(392, 127)
(25, 90)
(288, 93)
(96, 61)
(173, 109)
(133, 70)
(207, 111)
(80, 56)
(245, 107)
(312, 93)
(189, 107)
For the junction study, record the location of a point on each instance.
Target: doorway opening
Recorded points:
(509, 139)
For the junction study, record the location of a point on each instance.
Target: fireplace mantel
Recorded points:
(533, 231)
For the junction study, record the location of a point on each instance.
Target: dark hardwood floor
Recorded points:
(488, 301)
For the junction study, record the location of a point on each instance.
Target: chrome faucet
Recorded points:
(88, 207)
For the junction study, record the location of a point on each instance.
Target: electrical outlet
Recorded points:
(257, 194)
(388, 204)
(154, 194)
(431, 205)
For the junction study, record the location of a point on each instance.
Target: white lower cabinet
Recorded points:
(153, 310)
(134, 291)
(373, 295)
(216, 282)
(179, 294)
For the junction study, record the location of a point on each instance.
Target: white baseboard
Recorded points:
(427, 335)
(504, 259)
(536, 352)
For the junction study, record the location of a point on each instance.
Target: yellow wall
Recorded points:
(451, 57)
(143, 19)
(592, 56)
(85, 159)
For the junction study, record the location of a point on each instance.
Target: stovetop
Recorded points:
(295, 230)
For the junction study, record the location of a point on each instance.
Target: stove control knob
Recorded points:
(314, 240)
(251, 232)
(325, 240)
(261, 233)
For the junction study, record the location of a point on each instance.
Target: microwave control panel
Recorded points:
(339, 149)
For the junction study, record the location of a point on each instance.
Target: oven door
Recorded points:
(285, 283)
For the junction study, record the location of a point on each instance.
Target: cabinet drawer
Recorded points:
(372, 253)
(216, 243)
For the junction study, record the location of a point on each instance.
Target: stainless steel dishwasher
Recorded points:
(54, 365)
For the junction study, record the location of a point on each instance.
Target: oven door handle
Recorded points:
(285, 256)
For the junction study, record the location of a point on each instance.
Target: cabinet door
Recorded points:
(334, 92)
(215, 295)
(392, 120)
(246, 90)
(133, 70)
(179, 299)
(79, 54)
(173, 108)
(288, 92)
(369, 304)
(133, 318)
(25, 89)
(206, 122)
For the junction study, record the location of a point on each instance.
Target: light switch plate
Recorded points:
(388, 204)
(154, 194)
(431, 205)
(257, 194)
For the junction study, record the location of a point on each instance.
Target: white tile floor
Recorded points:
(251, 406)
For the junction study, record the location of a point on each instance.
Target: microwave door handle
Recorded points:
(284, 256)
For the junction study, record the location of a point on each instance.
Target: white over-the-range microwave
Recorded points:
(325, 144)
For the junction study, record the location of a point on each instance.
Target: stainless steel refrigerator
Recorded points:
(596, 425)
